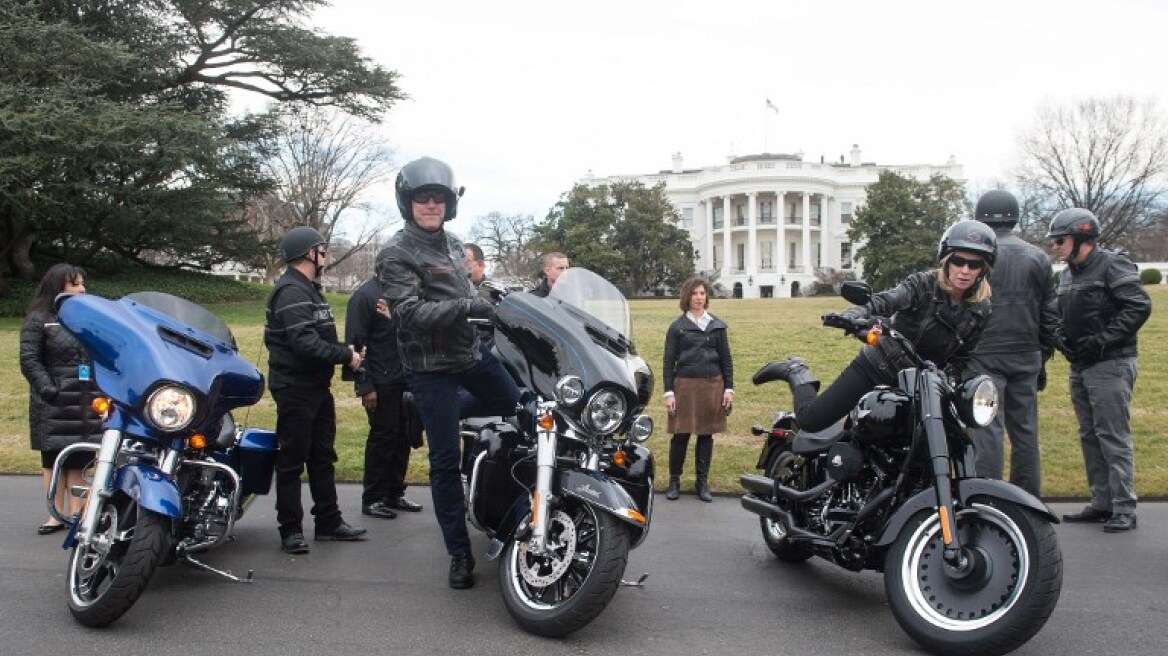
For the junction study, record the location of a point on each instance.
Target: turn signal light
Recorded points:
(636, 516)
(873, 337)
(620, 458)
(546, 421)
(198, 441)
(100, 405)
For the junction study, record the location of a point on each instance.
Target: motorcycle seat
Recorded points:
(808, 443)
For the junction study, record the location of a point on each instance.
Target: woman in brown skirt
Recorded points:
(699, 384)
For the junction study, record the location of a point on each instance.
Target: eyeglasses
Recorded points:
(974, 265)
(423, 197)
(1058, 241)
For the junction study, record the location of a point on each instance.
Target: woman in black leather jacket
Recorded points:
(60, 388)
(942, 312)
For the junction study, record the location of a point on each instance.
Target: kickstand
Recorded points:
(186, 558)
(639, 583)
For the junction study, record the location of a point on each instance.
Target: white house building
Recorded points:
(768, 222)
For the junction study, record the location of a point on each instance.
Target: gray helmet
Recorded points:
(997, 208)
(972, 236)
(298, 241)
(426, 173)
(1076, 222)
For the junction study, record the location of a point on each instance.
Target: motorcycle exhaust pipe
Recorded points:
(777, 514)
(768, 487)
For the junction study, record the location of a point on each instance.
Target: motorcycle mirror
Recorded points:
(855, 292)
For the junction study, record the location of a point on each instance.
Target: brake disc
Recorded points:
(542, 570)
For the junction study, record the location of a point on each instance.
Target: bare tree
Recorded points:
(505, 240)
(324, 163)
(1109, 156)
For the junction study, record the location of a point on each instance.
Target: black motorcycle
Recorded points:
(971, 565)
(564, 488)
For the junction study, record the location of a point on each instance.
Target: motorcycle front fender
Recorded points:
(600, 491)
(150, 488)
(966, 489)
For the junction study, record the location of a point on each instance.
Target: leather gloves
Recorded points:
(480, 308)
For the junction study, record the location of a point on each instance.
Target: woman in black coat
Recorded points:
(60, 388)
(699, 384)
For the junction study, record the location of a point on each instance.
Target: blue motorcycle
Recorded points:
(172, 472)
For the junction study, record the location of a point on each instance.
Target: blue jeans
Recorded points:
(436, 395)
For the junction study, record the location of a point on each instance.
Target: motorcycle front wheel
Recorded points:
(562, 590)
(782, 468)
(108, 573)
(995, 605)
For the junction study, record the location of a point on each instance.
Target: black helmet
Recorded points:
(298, 241)
(1076, 222)
(426, 173)
(997, 208)
(968, 235)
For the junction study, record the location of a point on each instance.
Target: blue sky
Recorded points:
(524, 98)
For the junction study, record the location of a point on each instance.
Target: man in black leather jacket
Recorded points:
(423, 275)
(380, 383)
(1021, 333)
(301, 336)
(1103, 305)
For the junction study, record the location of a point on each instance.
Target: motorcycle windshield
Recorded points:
(185, 312)
(587, 291)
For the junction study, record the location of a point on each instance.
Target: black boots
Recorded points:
(702, 457)
(794, 370)
(674, 490)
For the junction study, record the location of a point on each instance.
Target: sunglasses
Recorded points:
(1058, 241)
(974, 265)
(423, 197)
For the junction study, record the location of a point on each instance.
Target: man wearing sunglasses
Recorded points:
(1021, 333)
(1103, 305)
(423, 274)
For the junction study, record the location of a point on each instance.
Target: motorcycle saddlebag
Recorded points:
(256, 460)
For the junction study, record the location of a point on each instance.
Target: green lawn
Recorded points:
(760, 330)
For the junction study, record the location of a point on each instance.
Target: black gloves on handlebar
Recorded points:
(481, 308)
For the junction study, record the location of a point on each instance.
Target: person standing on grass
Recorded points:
(699, 385)
(60, 389)
(1103, 305)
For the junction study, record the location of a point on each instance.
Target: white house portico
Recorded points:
(769, 222)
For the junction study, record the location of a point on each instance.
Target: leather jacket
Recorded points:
(1025, 311)
(691, 352)
(424, 276)
(940, 330)
(364, 327)
(1103, 305)
(301, 335)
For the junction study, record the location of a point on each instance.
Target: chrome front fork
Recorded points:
(545, 461)
(101, 489)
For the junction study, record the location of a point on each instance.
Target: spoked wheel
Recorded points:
(782, 469)
(995, 604)
(110, 571)
(562, 590)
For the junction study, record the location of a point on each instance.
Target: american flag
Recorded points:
(771, 105)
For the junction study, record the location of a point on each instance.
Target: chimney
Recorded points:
(855, 154)
(677, 168)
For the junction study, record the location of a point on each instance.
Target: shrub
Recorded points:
(202, 288)
(1151, 276)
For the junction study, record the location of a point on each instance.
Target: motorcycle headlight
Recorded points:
(569, 390)
(977, 401)
(642, 428)
(605, 411)
(170, 408)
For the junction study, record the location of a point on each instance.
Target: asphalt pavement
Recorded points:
(713, 588)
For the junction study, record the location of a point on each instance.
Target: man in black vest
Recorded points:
(301, 337)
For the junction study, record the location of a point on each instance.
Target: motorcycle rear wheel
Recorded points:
(774, 534)
(995, 609)
(557, 593)
(108, 574)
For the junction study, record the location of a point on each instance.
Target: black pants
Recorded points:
(387, 449)
(306, 428)
(816, 412)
